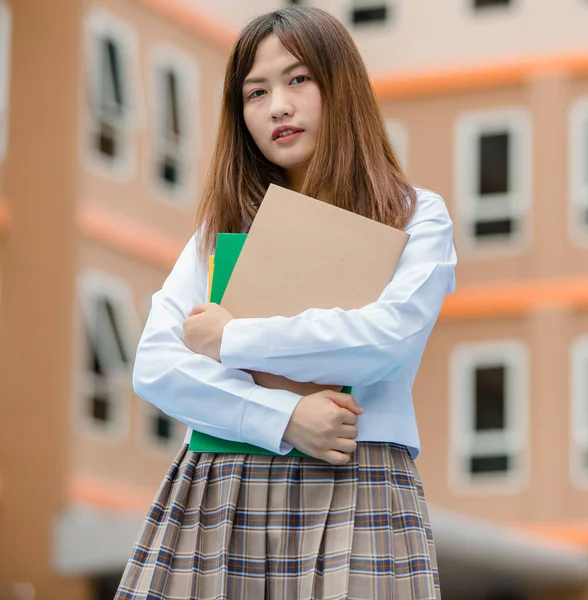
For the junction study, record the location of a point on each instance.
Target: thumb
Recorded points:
(346, 401)
(197, 310)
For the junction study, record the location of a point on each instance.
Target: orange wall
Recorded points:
(39, 181)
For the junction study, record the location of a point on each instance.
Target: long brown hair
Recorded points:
(353, 166)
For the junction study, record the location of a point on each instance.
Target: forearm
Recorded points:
(211, 398)
(336, 347)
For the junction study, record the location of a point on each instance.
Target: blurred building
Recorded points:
(108, 112)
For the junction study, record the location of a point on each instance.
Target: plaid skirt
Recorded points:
(237, 527)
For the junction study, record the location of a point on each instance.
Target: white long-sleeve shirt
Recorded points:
(376, 349)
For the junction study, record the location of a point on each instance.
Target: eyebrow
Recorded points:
(256, 80)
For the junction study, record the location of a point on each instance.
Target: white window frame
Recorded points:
(5, 64)
(578, 175)
(97, 25)
(393, 9)
(579, 411)
(398, 136)
(94, 284)
(164, 57)
(465, 442)
(515, 204)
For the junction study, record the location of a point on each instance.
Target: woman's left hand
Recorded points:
(203, 329)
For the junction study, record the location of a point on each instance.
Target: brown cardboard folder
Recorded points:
(303, 253)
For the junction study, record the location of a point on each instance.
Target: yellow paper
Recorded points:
(210, 274)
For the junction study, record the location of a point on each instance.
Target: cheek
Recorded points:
(250, 121)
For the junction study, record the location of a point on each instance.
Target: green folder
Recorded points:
(228, 248)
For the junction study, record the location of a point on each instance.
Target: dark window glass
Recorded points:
(107, 142)
(172, 108)
(490, 409)
(112, 70)
(489, 464)
(169, 170)
(112, 98)
(115, 328)
(477, 4)
(493, 168)
(378, 13)
(101, 408)
(99, 401)
(169, 166)
(485, 229)
(95, 364)
(163, 427)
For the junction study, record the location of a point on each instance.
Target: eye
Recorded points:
(300, 79)
(255, 94)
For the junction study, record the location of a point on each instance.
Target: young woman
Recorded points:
(298, 110)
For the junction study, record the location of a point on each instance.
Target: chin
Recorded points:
(293, 163)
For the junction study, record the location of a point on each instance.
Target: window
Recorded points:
(489, 406)
(5, 37)
(174, 79)
(482, 4)
(161, 431)
(109, 348)
(580, 411)
(367, 12)
(398, 136)
(578, 140)
(111, 60)
(493, 164)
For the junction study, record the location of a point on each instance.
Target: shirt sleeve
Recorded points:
(196, 390)
(364, 346)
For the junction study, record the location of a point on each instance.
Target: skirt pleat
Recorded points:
(244, 527)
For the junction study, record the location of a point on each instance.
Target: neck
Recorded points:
(295, 178)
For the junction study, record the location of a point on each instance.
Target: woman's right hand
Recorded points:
(323, 425)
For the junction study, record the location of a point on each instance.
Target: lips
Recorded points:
(283, 131)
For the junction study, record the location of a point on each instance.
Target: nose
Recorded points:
(281, 105)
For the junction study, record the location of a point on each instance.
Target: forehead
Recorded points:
(271, 54)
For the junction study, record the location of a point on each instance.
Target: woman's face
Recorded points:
(282, 107)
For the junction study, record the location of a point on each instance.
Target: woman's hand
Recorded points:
(323, 425)
(203, 329)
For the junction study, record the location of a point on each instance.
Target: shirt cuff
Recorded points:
(266, 417)
(239, 349)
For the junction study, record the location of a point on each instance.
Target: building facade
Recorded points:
(108, 114)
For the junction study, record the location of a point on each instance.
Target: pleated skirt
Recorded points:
(243, 527)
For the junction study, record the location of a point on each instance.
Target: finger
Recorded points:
(337, 458)
(348, 417)
(344, 445)
(344, 401)
(198, 309)
(347, 431)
